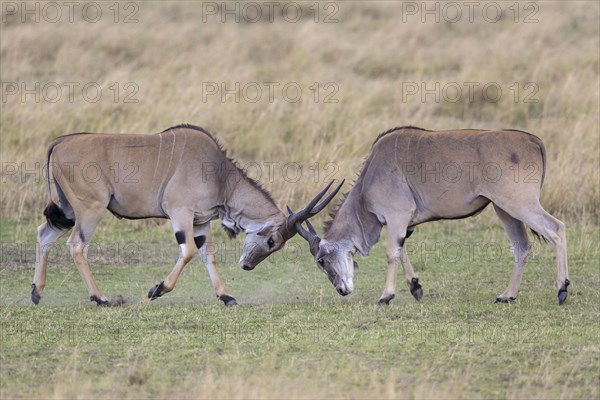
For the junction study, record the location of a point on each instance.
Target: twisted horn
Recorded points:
(312, 208)
(310, 236)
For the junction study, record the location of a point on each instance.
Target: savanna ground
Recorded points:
(293, 336)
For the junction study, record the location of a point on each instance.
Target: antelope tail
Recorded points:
(55, 216)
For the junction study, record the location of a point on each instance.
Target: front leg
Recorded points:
(389, 291)
(398, 232)
(184, 234)
(409, 274)
(396, 253)
(204, 243)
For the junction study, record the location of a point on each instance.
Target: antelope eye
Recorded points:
(271, 242)
(320, 261)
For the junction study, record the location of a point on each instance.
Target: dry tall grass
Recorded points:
(171, 54)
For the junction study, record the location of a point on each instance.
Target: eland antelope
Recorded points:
(413, 176)
(182, 174)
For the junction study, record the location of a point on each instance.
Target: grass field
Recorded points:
(361, 67)
(294, 336)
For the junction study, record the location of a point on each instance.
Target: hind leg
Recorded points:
(553, 231)
(84, 229)
(47, 236)
(517, 234)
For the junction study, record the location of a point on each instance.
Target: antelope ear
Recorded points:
(266, 229)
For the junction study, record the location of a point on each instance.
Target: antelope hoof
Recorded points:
(562, 293)
(504, 299)
(35, 296)
(99, 302)
(416, 289)
(384, 301)
(228, 300)
(156, 291)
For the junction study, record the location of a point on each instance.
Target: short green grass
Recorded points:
(293, 336)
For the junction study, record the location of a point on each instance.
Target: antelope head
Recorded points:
(270, 237)
(335, 259)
